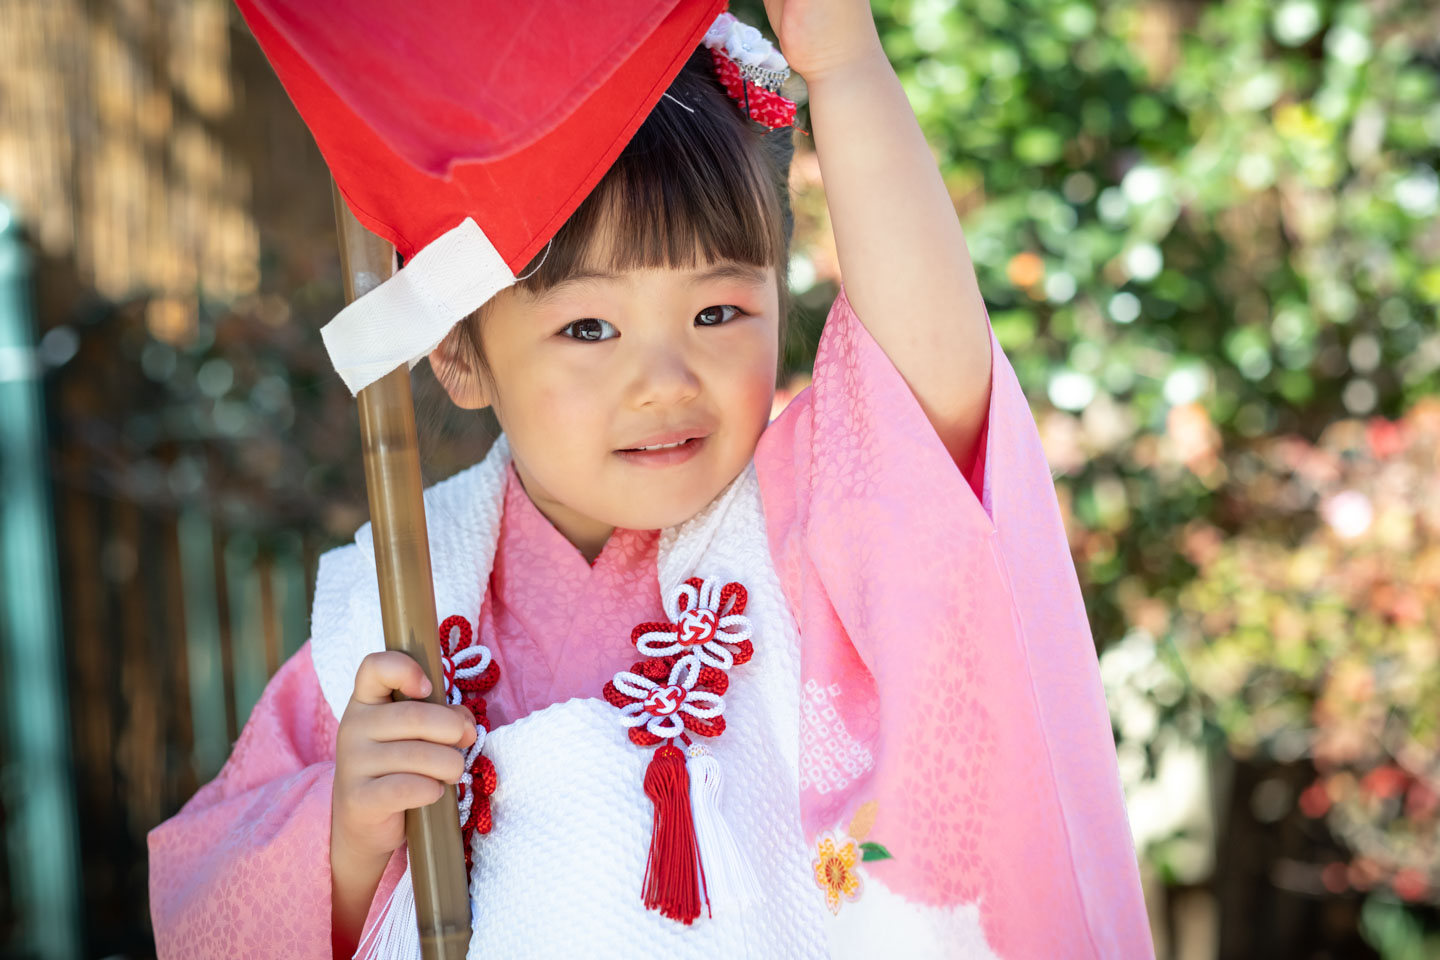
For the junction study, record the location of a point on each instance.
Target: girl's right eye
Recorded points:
(590, 329)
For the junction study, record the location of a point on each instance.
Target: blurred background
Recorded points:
(1208, 236)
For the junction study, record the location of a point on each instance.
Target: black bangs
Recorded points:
(698, 183)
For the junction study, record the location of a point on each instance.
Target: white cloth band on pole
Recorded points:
(404, 318)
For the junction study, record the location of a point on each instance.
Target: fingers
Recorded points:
(443, 764)
(416, 720)
(467, 722)
(382, 674)
(399, 791)
(392, 756)
(396, 755)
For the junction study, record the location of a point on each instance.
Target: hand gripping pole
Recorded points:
(407, 594)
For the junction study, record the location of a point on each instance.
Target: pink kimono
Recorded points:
(943, 608)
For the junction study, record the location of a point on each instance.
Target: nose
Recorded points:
(665, 374)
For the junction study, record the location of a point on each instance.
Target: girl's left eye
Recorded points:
(714, 316)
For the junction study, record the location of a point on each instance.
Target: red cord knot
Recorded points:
(665, 710)
(664, 701)
(709, 622)
(469, 672)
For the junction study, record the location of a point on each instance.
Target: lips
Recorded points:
(669, 437)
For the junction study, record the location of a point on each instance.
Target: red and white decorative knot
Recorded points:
(470, 672)
(665, 710)
(710, 622)
(463, 663)
(675, 691)
(664, 701)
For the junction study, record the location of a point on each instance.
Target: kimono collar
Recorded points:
(462, 516)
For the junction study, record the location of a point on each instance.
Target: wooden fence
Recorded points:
(199, 457)
(172, 624)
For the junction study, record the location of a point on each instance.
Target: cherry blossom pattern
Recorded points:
(838, 854)
(658, 705)
(834, 865)
(470, 672)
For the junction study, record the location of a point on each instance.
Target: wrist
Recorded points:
(354, 877)
(863, 66)
(351, 858)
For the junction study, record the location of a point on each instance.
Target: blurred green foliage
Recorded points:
(1231, 205)
(1310, 634)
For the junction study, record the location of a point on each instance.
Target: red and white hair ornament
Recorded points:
(751, 70)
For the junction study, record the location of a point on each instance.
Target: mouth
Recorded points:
(660, 446)
(668, 440)
(663, 451)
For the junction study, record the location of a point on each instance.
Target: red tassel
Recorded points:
(672, 873)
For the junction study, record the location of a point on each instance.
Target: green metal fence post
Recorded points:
(41, 835)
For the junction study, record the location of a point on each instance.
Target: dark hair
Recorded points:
(699, 184)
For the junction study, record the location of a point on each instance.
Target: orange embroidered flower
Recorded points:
(835, 871)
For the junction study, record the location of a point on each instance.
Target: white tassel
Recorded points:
(396, 935)
(730, 881)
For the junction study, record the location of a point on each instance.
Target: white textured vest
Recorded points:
(560, 874)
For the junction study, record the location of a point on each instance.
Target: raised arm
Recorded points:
(903, 257)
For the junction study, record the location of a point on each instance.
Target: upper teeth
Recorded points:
(664, 446)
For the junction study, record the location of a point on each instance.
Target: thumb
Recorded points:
(382, 674)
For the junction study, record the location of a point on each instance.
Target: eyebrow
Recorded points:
(724, 270)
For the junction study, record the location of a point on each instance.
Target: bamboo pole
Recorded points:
(407, 595)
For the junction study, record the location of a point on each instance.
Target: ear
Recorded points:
(457, 368)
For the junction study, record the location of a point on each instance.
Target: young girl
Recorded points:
(864, 613)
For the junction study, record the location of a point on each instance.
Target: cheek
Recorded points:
(747, 381)
(563, 410)
(757, 387)
(759, 375)
(545, 410)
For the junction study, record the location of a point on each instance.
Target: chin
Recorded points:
(652, 517)
(667, 508)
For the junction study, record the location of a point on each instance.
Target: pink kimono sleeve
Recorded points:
(243, 870)
(951, 690)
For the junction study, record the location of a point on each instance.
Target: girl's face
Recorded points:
(589, 371)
